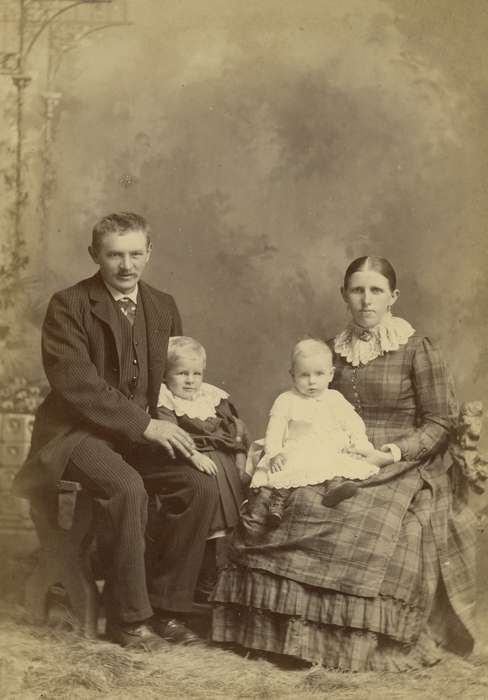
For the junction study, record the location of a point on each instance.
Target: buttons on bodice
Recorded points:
(355, 389)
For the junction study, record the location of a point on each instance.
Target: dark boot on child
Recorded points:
(339, 490)
(276, 508)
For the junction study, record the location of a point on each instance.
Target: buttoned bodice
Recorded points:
(400, 394)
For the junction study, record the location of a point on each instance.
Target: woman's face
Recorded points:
(369, 297)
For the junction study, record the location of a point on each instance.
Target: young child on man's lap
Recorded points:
(206, 413)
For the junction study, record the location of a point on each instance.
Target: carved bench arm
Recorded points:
(471, 469)
(67, 491)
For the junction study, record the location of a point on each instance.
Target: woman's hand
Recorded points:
(204, 464)
(277, 463)
(170, 436)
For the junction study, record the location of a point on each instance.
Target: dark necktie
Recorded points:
(128, 308)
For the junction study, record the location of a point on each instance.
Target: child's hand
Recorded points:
(376, 457)
(277, 463)
(359, 451)
(204, 464)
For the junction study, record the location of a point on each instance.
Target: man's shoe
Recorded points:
(134, 636)
(174, 631)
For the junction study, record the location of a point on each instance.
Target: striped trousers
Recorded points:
(163, 574)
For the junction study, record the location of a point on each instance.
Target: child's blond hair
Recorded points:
(309, 347)
(180, 346)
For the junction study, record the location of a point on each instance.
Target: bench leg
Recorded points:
(82, 593)
(64, 560)
(36, 595)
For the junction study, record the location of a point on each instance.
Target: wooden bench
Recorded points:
(66, 528)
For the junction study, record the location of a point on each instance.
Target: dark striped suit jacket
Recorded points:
(81, 348)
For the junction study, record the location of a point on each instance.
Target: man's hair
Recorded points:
(119, 222)
(180, 346)
(309, 347)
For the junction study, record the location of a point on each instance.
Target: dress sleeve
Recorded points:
(277, 426)
(434, 400)
(164, 413)
(234, 427)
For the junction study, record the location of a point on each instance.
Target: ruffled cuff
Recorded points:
(422, 443)
(396, 452)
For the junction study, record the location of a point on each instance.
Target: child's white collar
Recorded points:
(361, 345)
(202, 406)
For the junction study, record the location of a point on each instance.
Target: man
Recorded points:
(104, 344)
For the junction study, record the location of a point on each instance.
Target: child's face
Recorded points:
(312, 374)
(184, 377)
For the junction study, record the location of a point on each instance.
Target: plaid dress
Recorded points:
(359, 585)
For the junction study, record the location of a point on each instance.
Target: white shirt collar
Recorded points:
(117, 295)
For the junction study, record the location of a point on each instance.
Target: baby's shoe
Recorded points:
(339, 491)
(253, 517)
(275, 510)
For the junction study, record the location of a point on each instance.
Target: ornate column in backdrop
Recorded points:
(34, 37)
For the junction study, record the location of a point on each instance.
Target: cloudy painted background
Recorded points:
(269, 145)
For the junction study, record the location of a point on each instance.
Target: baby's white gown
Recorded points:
(312, 433)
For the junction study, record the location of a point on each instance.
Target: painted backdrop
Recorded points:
(269, 145)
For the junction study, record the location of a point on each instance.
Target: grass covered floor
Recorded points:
(49, 664)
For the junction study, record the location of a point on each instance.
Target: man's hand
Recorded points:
(277, 463)
(204, 464)
(170, 436)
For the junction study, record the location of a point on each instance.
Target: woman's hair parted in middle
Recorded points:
(180, 346)
(309, 347)
(372, 262)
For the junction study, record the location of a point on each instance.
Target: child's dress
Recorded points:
(313, 433)
(210, 419)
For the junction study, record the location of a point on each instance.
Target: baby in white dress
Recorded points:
(312, 434)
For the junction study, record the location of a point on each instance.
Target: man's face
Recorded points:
(122, 258)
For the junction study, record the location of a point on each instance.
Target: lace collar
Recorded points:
(202, 406)
(361, 345)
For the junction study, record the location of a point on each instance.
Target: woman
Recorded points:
(372, 582)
